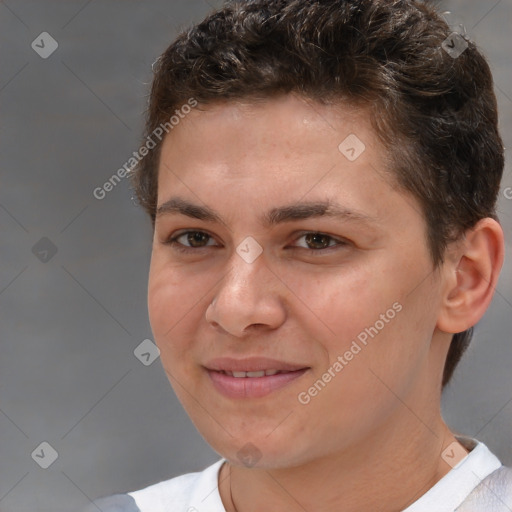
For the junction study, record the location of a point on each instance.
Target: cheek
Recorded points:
(161, 299)
(338, 304)
(369, 316)
(174, 299)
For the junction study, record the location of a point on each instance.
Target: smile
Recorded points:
(261, 373)
(252, 384)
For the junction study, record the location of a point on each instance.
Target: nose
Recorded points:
(249, 298)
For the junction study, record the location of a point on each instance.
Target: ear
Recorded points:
(471, 274)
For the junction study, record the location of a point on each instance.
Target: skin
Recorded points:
(372, 439)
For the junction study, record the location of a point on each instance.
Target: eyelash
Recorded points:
(173, 241)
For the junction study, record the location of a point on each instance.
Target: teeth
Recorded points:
(261, 373)
(256, 374)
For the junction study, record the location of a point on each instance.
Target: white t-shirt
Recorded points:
(198, 492)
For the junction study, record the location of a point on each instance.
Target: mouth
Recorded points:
(251, 375)
(252, 378)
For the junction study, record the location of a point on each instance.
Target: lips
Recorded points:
(252, 364)
(252, 377)
(262, 373)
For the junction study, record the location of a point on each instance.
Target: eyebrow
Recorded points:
(278, 215)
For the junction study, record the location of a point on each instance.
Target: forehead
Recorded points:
(276, 151)
(285, 121)
(276, 136)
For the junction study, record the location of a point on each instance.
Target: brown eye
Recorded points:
(317, 240)
(189, 240)
(196, 238)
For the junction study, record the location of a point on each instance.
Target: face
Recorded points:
(278, 246)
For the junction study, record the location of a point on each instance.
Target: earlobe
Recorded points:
(472, 277)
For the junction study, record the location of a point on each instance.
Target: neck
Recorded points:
(385, 474)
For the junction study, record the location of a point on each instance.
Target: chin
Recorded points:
(258, 451)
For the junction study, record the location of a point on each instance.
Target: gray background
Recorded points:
(69, 326)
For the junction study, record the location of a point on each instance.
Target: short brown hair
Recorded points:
(434, 111)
